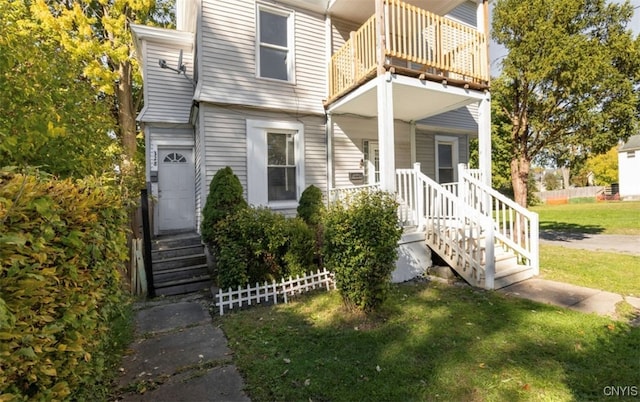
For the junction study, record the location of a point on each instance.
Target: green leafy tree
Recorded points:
(50, 116)
(604, 167)
(570, 77)
(97, 34)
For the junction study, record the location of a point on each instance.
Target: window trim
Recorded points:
(441, 139)
(291, 54)
(257, 162)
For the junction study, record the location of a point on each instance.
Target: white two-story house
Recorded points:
(340, 94)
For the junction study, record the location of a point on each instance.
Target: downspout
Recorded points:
(328, 121)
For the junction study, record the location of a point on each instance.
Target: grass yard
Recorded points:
(430, 342)
(613, 272)
(602, 217)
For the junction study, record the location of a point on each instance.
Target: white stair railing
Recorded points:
(516, 228)
(464, 236)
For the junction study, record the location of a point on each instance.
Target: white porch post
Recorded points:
(329, 132)
(386, 135)
(484, 138)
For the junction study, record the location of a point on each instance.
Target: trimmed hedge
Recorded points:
(62, 244)
(360, 247)
(257, 245)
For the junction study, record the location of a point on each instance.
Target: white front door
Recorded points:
(372, 167)
(176, 190)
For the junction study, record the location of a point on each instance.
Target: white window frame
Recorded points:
(453, 141)
(291, 54)
(257, 173)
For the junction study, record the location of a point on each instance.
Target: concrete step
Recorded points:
(179, 262)
(158, 255)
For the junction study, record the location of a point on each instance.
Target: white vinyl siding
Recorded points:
(340, 31)
(466, 13)
(464, 119)
(226, 143)
(228, 60)
(349, 134)
(168, 95)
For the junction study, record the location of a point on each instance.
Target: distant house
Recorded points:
(628, 168)
(340, 94)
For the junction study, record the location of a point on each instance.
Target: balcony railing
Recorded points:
(416, 42)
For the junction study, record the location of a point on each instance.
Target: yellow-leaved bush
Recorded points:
(62, 248)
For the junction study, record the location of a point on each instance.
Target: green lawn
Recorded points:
(430, 342)
(613, 272)
(602, 217)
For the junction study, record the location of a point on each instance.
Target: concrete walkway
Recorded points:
(574, 297)
(178, 355)
(561, 294)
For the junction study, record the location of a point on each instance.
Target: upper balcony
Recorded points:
(410, 41)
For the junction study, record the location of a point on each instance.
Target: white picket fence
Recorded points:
(274, 290)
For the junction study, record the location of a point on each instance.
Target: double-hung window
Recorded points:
(274, 47)
(275, 163)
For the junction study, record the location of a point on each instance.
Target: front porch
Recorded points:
(488, 239)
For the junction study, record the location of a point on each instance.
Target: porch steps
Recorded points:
(507, 269)
(179, 264)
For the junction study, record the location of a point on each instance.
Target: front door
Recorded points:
(446, 159)
(176, 190)
(372, 162)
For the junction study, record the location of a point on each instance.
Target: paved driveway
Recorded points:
(628, 244)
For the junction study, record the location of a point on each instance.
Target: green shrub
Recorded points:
(311, 209)
(360, 247)
(224, 199)
(62, 244)
(257, 245)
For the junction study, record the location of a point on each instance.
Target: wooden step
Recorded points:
(157, 255)
(180, 273)
(184, 286)
(173, 241)
(179, 262)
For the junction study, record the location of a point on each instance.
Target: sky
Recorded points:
(497, 52)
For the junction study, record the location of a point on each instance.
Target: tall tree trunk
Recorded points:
(520, 166)
(128, 130)
(126, 116)
(566, 176)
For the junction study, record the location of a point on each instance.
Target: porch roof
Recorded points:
(359, 11)
(413, 99)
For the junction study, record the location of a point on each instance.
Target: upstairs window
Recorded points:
(275, 44)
